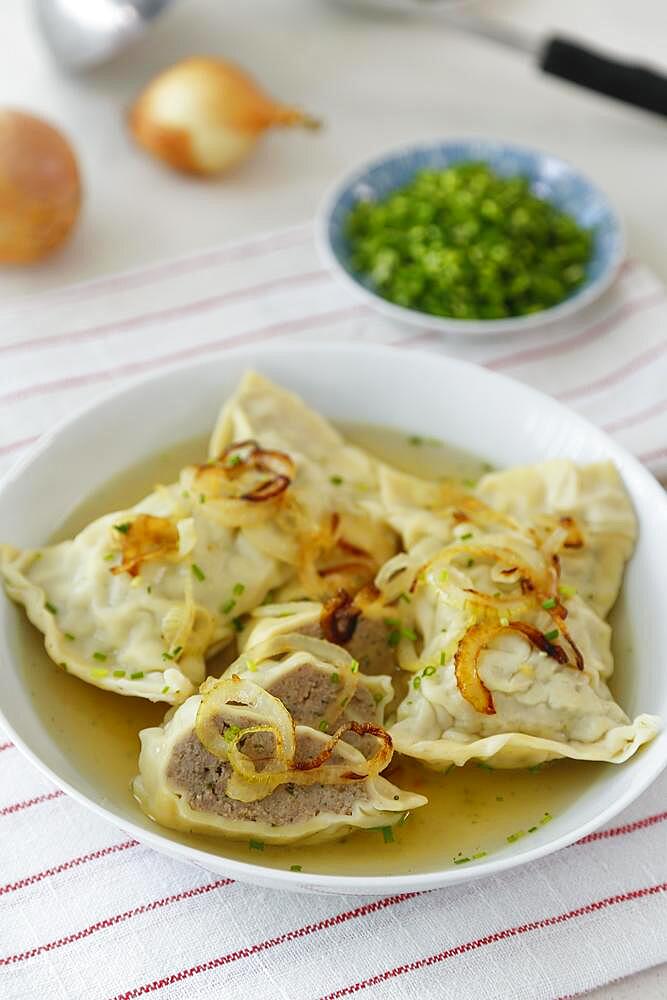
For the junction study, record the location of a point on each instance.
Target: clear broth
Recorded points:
(471, 809)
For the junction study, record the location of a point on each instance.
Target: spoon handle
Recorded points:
(638, 85)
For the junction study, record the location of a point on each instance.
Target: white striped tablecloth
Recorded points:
(86, 912)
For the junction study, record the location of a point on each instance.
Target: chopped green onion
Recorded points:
(405, 597)
(234, 460)
(231, 733)
(119, 673)
(415, 439)
(202, 498)
(461, 861)
(444, 575)
(123, 528)
(392, 622)
(336, 480)
(467, 535)
(252, 666)
(546, 818)
(470, 484)
(335, 678)
(198, 572)
(408, 633)
(68, 635)
(417, 683)
(51, 607)
(566, 590)
(377, 697)
(179, 649)
(387, 834)
(484, 766)
(99, 672)
(238, 589)
(394, 637)
(323, 726)
(167, 656)
(295, 868)
(165, 689)
(532, 829)
(443, 658)
(137, 675)
(109, 556)
(513, 837)
(100, 656)
(228, 606)
(471, 562)
(480, 854)
(549, 603)
(255, 845)
(238, 624)
(504, 621)
(553, 634)
(428, 671)
(354, 666)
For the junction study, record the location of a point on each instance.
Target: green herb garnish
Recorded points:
(198, 572)
(123, 528)
(336, 480)
(137, 675)
(164, 689)
(256, 845)
(387, 834)
(51, 607)
(237, 624)
(228, 606)
(119, 673)
(462, 861)
(99, 672)
(70, 637)
(100, 656)
(566, 590)
(232, 733)
(553, 634)
(295, 868)
(238, 589)
(467, 535)
(513, 837)
(415, 439)
(428, 671)
(334, 678)
(549, 603)
(394, 637)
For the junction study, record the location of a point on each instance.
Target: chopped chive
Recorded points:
(471, 562)
(179, 649)
(238, 624)
(443, 658)
(323, 726)
(467, 535)
(119, 673)
(405, 597)
(513, 837)
(100, 672)
(185, 494)
(408, 633)
(68, 635)
(198, 572)
(252, 666)
(499, 798)
(354, 666)
(461, 861)
(202, 498)
(546, 818)
(504, 621)
(415, 439)
(164, 689)
(109, 556)
(553, 634)
(417, 683)
(51, 607)
(238, 589)
(484, 766)
(549, 603)
(566, 590)
(394, 637)
(428, 671)
(535, 768)
(228, 606)
(480, 854)
(255, 845)
(444, 575)
(392, 622)
(231, 733)
(137, 675)
(532, 829)
(336, 480)
(123, 528)
(167, 656)
(149, 590)
(100, 656)
(470, 483)
(295, 868)
(377, 697)
(335, 678)
(234, 460)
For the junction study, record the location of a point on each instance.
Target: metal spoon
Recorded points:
(83, 33)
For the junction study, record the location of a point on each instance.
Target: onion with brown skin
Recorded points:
(203, 115)
(40, 188)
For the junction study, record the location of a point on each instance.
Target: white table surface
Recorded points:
(377, 80)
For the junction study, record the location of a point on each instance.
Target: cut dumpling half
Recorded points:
(231, 762)
(506, 668)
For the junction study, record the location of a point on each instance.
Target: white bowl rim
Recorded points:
(385, 885)
(443, 324)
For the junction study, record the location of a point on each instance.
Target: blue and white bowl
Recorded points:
(550, 178)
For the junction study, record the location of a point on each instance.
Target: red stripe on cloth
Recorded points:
(255, 949)
(587, 336)
(650, 456)
(210, 347)
(119, 918)
(103, 852)
(256, 247)
(508, 932)
(5, 449)
(6, 746)
(631, 419)
(168, 315)
(19, 806)
(618, 375)
(619, 831)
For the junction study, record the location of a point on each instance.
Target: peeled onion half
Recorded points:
(40, 189)
(204, 115)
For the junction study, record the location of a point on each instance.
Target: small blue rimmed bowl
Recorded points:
(550, 178)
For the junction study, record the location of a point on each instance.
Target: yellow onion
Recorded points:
(204, 115)
(40, 189)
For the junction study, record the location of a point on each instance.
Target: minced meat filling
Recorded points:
(368, 645)
(203, 779)
(307, 692)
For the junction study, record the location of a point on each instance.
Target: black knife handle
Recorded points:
(633, 84)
